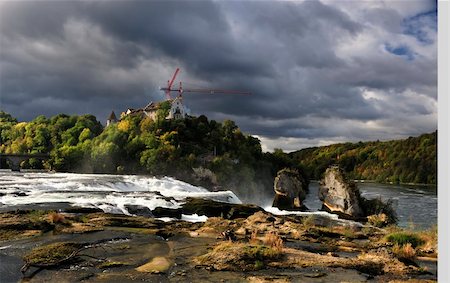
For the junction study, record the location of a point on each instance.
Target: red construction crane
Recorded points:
(181, 90)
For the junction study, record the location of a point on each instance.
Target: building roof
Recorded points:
(112, 116)
(153, 106)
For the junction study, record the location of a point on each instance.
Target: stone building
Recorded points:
(111, 119)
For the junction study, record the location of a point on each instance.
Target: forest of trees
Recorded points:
(202, 151)
(412, 160)
(196, 150)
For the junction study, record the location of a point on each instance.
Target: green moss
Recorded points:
(239, 256)
(83, 219)
(51, 254)
(259, 265)
(260, 252)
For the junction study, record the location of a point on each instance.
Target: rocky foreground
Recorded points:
(238, 243)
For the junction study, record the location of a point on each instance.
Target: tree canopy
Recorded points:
(412, 160)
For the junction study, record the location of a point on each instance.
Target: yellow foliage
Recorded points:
(145, 124)
(169, 137)
(124, 126)
(20, 126)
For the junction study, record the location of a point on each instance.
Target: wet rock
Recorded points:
(213, 208)
(290, 190)
(339, 195)
(19, 194)
(77, 209)
(21, 220)
(51, 255)
(139, 210)
(119, 220)
(156, 265)
(80, 228)
(167, 212)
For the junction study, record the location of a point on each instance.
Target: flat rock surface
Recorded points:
(135, 249)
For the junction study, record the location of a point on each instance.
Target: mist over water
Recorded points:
(113, 193)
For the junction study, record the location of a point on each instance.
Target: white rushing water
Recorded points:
(111, 193)
(114, 193)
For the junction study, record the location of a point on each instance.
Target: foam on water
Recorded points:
(276, 211)
(110, 193)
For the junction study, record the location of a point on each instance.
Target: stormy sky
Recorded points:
(320, 72)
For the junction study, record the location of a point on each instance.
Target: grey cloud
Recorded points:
(94, 56)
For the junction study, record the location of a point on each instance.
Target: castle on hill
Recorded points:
(177, 111)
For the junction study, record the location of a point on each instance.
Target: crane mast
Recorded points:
(180, 90)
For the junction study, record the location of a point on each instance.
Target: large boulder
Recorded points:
(290, 190)
(340, 195)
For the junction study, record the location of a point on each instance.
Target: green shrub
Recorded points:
(403, 238)
(378, 207)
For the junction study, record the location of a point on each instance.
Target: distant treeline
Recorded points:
(203, 151)
(412, 160)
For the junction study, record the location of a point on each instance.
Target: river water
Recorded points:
(416, 206)
(114, 193)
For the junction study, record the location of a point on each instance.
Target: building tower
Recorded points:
(111, 119)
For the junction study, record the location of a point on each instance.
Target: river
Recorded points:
(114, 193)
(415, 205)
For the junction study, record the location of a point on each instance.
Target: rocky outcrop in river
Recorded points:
(290, 190)
(339, 194)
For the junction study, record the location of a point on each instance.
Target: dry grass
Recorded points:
(273, 240)
(404, 251)
(254, 238)
(238, 256)
(430, 238)
(309, 222)
(55, 217)
(378, 220)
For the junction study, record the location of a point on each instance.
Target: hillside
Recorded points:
(204, 152)
(197, 150)
(412, 160)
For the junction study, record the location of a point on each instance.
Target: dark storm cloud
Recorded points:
(318, 71)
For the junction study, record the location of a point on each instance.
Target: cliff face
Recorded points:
(339, 194)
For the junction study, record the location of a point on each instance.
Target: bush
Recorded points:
(378, 207)
(378, 220)
(403, 238)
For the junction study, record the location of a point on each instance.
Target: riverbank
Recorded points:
(249, 246)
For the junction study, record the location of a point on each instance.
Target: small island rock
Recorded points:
(338, 194)
(290, 190)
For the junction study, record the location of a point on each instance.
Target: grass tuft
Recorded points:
(254, 238)
(273, 240)
(404, 251)
(55, 217)
(403, 238)
(309, 221)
